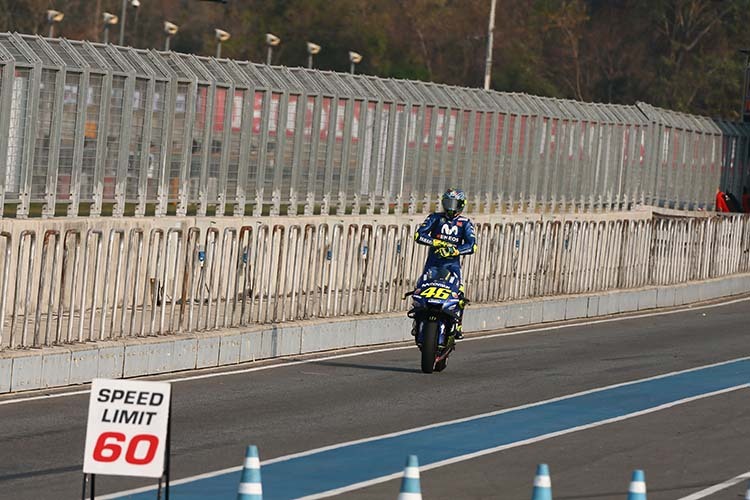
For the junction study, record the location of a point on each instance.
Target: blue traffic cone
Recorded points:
(637, 490)
(250, 486)
(410, 489)
(542, 484)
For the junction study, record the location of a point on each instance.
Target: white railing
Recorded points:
(73, 285)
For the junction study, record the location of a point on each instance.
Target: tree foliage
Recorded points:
(678, 54)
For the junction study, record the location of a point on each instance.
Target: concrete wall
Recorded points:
(78, 364)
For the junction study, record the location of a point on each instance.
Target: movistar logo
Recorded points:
(446, 229)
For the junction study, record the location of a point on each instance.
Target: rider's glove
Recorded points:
(440, 243)
(448, 252)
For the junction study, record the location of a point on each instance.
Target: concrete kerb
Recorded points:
(26, 373)
(554, 309)
(576, 307)
(111, 359)
(229, 349)
(56, 367)
(648, 298)
(85, 360)
(80, 363)
(665, 297)
(593, 308)
(6, 370)
(208, 351)
(281, 341)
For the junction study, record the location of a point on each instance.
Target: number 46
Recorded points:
(437, 292)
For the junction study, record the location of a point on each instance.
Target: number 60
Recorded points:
(105, 451)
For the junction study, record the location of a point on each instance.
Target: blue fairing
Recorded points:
(441, 302)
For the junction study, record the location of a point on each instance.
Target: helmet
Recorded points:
(454, 201)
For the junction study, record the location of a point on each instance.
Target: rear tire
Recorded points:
(429, 345)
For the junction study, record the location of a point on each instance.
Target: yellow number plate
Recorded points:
(436, 292)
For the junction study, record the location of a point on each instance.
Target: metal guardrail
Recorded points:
(97, 286)
(91, 129)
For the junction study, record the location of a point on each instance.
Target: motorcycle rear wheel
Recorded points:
(429, 345)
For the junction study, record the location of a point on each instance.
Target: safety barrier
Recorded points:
(92, 129)
(81, 286)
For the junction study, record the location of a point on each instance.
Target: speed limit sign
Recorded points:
(126, 433)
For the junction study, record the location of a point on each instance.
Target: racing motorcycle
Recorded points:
(435, 310)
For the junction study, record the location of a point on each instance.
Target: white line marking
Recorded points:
(46, 396)
(718, 487)
(475, 417)
(240, 371)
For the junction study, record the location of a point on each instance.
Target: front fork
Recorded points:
(445, 337)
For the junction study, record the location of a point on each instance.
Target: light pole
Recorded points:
(170, 29)
(109, 20)
(490, 31)
(221, 37)
(53, 16)
(272, 41)
(312, 49)
(745, 112)
(124, 13)
(136, 7)
(354, 59)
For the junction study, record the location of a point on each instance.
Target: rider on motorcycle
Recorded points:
(449, 235)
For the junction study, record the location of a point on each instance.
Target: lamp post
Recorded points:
(109, 20)
(354, 58)
(53, 16)
(124, 13)
(170, 29)
(271, 41)
(221, 37)
(490, 39)
(312, 49)
(745, 114)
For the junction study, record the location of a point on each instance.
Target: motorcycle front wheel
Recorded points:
(429, 345)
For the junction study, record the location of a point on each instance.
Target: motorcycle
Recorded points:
(435, 311)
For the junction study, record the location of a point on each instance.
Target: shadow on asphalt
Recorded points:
(368, 367)
(42, 472)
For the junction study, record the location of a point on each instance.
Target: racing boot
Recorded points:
(458, 327)
(458, 331)
(414, 328)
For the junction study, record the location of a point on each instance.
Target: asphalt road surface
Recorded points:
(698, 440)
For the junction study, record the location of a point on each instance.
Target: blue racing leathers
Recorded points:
(439, 230)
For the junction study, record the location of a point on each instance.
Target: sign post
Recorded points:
(128, 430)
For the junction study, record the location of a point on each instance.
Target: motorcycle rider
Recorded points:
(449, 236)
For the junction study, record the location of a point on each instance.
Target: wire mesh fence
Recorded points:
(91, 129)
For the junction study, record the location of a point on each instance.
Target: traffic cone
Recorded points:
(637, 490)
(250, 485)
(410, 489)
(542, 484)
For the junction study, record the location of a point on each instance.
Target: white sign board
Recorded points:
(126, 433)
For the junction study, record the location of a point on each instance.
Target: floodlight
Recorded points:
(54, 16)
(221, 35)
(170, 29)
(312, 48)
(110, 19)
